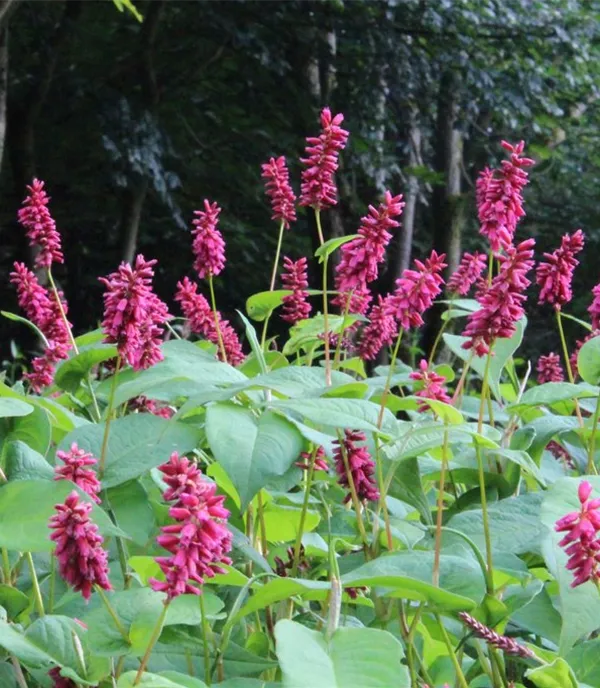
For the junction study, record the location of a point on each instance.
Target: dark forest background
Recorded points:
(133, 123)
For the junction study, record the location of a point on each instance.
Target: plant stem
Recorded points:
(325, 306)
(481, 473)
(459, 672)
(319, 228)
(109, 411)
(61, 309)
(383, 491)
(37, 593)
(205, 630)
(591, 466)
(438, 339)
(52, 583)
(213, 303)
(298, 545)
(112, 613)
(151, 644)
(440, 510)
(277, 252)
(19, 676)
(386, 389)
(563, 342)
(338, 346)
(6, 567)
(354, 495)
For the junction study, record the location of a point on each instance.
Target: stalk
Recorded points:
(386, 389)
(37, 593)
(19, 676)
(277, 253)
(440, 511)
(325, 305)
(382, 502)
(459, 672)
(52, 583)
(565, 349)
(109, 412)
(213, 303)
(113, 614)
(6, 572)
(354, 495)
(298, 545)
(205, 632)
(591, 466)
(151, 644)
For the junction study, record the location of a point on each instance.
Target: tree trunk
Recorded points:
(133, 202)
(3, 87)
(410, 197)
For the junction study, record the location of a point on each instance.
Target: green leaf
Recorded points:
(552, 392)
(407, 486)
(17, 318)
(34, 429)
(257, 451)
(278, 589)
(166, 679)
(71, 372)
(132, 510)
(130, 7)
(353, 658)
(579, 607)
(136, 443)
(332, 245)
(409, 575)
(260, 306)
(13, 600)
(355, 414)
(584, 659)
(556, 675)
(12, 408)
(522, 459)
(24, 528)
(23, 463)
(588, 361)
(254, 343)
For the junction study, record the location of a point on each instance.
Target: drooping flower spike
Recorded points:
(40, 226)
(555, 274)
(360, 464)
(278, 188)
(75, 468)
(466, 275)
(508, 645)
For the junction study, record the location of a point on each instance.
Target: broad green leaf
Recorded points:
(409, 575)
(584, 659)
(34, 429)
(540, 617)
(588, 361)
(407, 486)
(305, 334)
(552, 392)
(132, 510)
(71, 372)
(282, 522)
(260, 306)
(355, 414)
(300, 381)
(579, 607)
(258, 449)
(166, 679)
(12, 408)
(522, 459)
(136, 443)
(185, 609)
(545, 428)
(13, 600)
(26, 507)
(8, 678)
(23, 463)
(17, 318)
(353, 658)
(558, 674)
(332, 245)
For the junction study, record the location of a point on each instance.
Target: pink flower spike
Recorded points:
(430, 385)
(318, 188)
(549, 369)
(133, 315)
(278, 188)
(74, 468)
(295, 277)
(81, 560)
(594, 309)
(208, 246)
(360, 464)
(499, 197)
(416, 291)
(466, 275)
(41, 228)
(555, 275)
(381, 331)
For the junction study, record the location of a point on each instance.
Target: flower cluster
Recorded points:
(283, 566)
(430, 385)
(201, 320)
(415, 291)
(560, 453)
(318, 188)
(594, 308)
(508, 645)
(466, 274)
(278, 188)
(60, 681)
(75, 468)
(549, 369)
(81, 560)
(133, 315)
(40, 226)
(142, 404)
(555, 274)
(360, 466)
(208, 245)
(320, 460)
(198, 541)
(581, 541)
(295, 278)
(500, 199)
(501, 304)
(44, 312)
(381, 330)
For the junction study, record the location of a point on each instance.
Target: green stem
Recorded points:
(277, 253)
(19, 676)
(440, 510)
(61, 309)
(6, 567)
(151, 644)
(386, 389)
(263, 337)
(591, 467)
(457, 668)
(113, 615)
(213, 303)
(52, 583)
(298, 545)
(109, 412)
(205, 633)
(319, 228)
(37, 593)
(565, 349)
(383, 502)
(481, 472)
(338, 347)
(325, 304)
(438, 339)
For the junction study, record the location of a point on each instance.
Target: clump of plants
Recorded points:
(185, 506)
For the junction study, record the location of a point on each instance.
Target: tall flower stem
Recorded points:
(382, 502)
(462, 681)
(155, 636)
(109, 411)
(112, 613)
(591, 466)
(481, 472)
(277, 254)
(319, 228)
(440, 510)
(325, 303)
(309, 478)
(205, 634)
(213, 303)
(386, 389)
(37, 593)
(6, 571)
(52, 583)
(565, 349)
(338, 346)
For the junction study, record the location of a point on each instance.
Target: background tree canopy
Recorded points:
(132, 123)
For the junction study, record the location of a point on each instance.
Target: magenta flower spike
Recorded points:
(41, 228)
(549, 369)
(466, 274)
(208, 246)
(430, 385)
(555, 275)
(277, 187)
(318, 189)
(360, 464)
(295, 277)
(81, 560)
(381, 331)
(75, 468)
